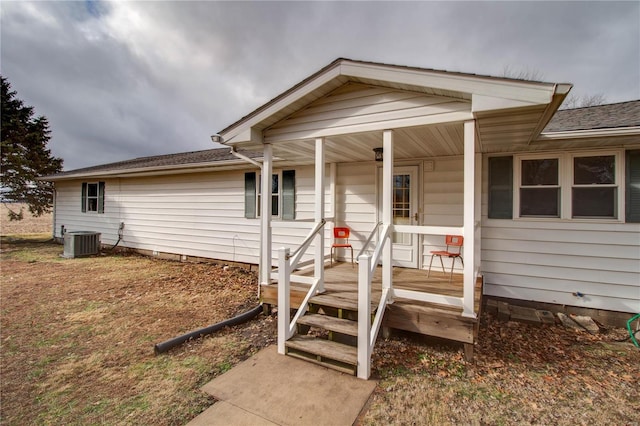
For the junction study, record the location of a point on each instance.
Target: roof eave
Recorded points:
(151, 171)
(560, 92)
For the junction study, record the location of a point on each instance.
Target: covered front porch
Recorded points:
(415, 121)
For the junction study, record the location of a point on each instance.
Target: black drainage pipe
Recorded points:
(165, 346)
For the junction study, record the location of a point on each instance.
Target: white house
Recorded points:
(548, 201)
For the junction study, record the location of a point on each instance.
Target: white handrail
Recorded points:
(366, 244)
(378, 250)
(287, 262)
(429, 230)
(302, 309)
(368, 332)
(297, 254)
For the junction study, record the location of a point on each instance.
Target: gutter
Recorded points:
(217, 138)
(590, 133)
(560, 92)
(245, 158)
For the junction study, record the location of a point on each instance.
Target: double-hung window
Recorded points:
(92, 197)
(572, 185)
(594, 189)
(282, 194)
(275, 195)
(539, 187)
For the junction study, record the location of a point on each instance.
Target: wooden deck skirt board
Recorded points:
(425, 318)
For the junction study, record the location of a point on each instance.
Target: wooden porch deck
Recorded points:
(421, 317)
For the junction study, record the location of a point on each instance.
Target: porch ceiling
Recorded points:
(411, 142)
(511, 131)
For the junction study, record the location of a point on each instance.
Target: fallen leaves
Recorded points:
(521, 374)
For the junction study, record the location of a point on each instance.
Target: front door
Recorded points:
(405, 212)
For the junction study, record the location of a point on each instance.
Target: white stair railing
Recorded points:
(287, 263)
(368, 332)
(366, 244)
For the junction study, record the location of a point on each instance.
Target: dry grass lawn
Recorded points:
(77, 342)
(78, 334)
(29, 225)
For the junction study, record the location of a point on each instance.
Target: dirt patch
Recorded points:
(28, 225)
(77, 348)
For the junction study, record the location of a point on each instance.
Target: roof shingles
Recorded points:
(610, 116)
(160, 161)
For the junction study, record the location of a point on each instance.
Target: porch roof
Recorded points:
(620, 117)
(507, 111)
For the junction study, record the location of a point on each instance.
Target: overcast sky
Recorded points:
(130, 79)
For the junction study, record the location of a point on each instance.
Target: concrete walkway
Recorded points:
(272, 389)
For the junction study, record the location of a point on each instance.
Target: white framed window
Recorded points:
(538, 191)
(276, 190)
(283, 194)
(594, 185)
(570, 185)
(92, 197)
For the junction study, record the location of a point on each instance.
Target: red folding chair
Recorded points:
(453, 251)
(341, 234)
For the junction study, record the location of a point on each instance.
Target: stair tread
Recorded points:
(325, 348)
(326, 322)
(338, 302)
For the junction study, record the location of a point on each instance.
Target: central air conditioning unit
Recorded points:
(81, 243)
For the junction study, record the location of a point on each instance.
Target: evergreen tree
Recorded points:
(24, 156)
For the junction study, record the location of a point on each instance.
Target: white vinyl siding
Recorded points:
(356, 201)
(359, 108)
(443, 204)
(200, 215)
(553, 260)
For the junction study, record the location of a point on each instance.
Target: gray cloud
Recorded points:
(126, 79)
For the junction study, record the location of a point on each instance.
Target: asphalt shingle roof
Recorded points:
(158, 161)
(623, 114)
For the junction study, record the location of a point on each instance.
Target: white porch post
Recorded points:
(265, 216)
(332, 192)
(319, 213)
(469, 219)
(477, 260)
(387, 213)
(284, 301)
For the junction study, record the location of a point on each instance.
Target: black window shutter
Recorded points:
(501, 187)
(288, 194)
(633, 186)
(250, 195)
(83, 198)
(100, 197)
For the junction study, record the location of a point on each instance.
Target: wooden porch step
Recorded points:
(329, 323)
(327, 353)
(338, 302)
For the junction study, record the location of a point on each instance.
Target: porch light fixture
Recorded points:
(378, 152)
(217, 138)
